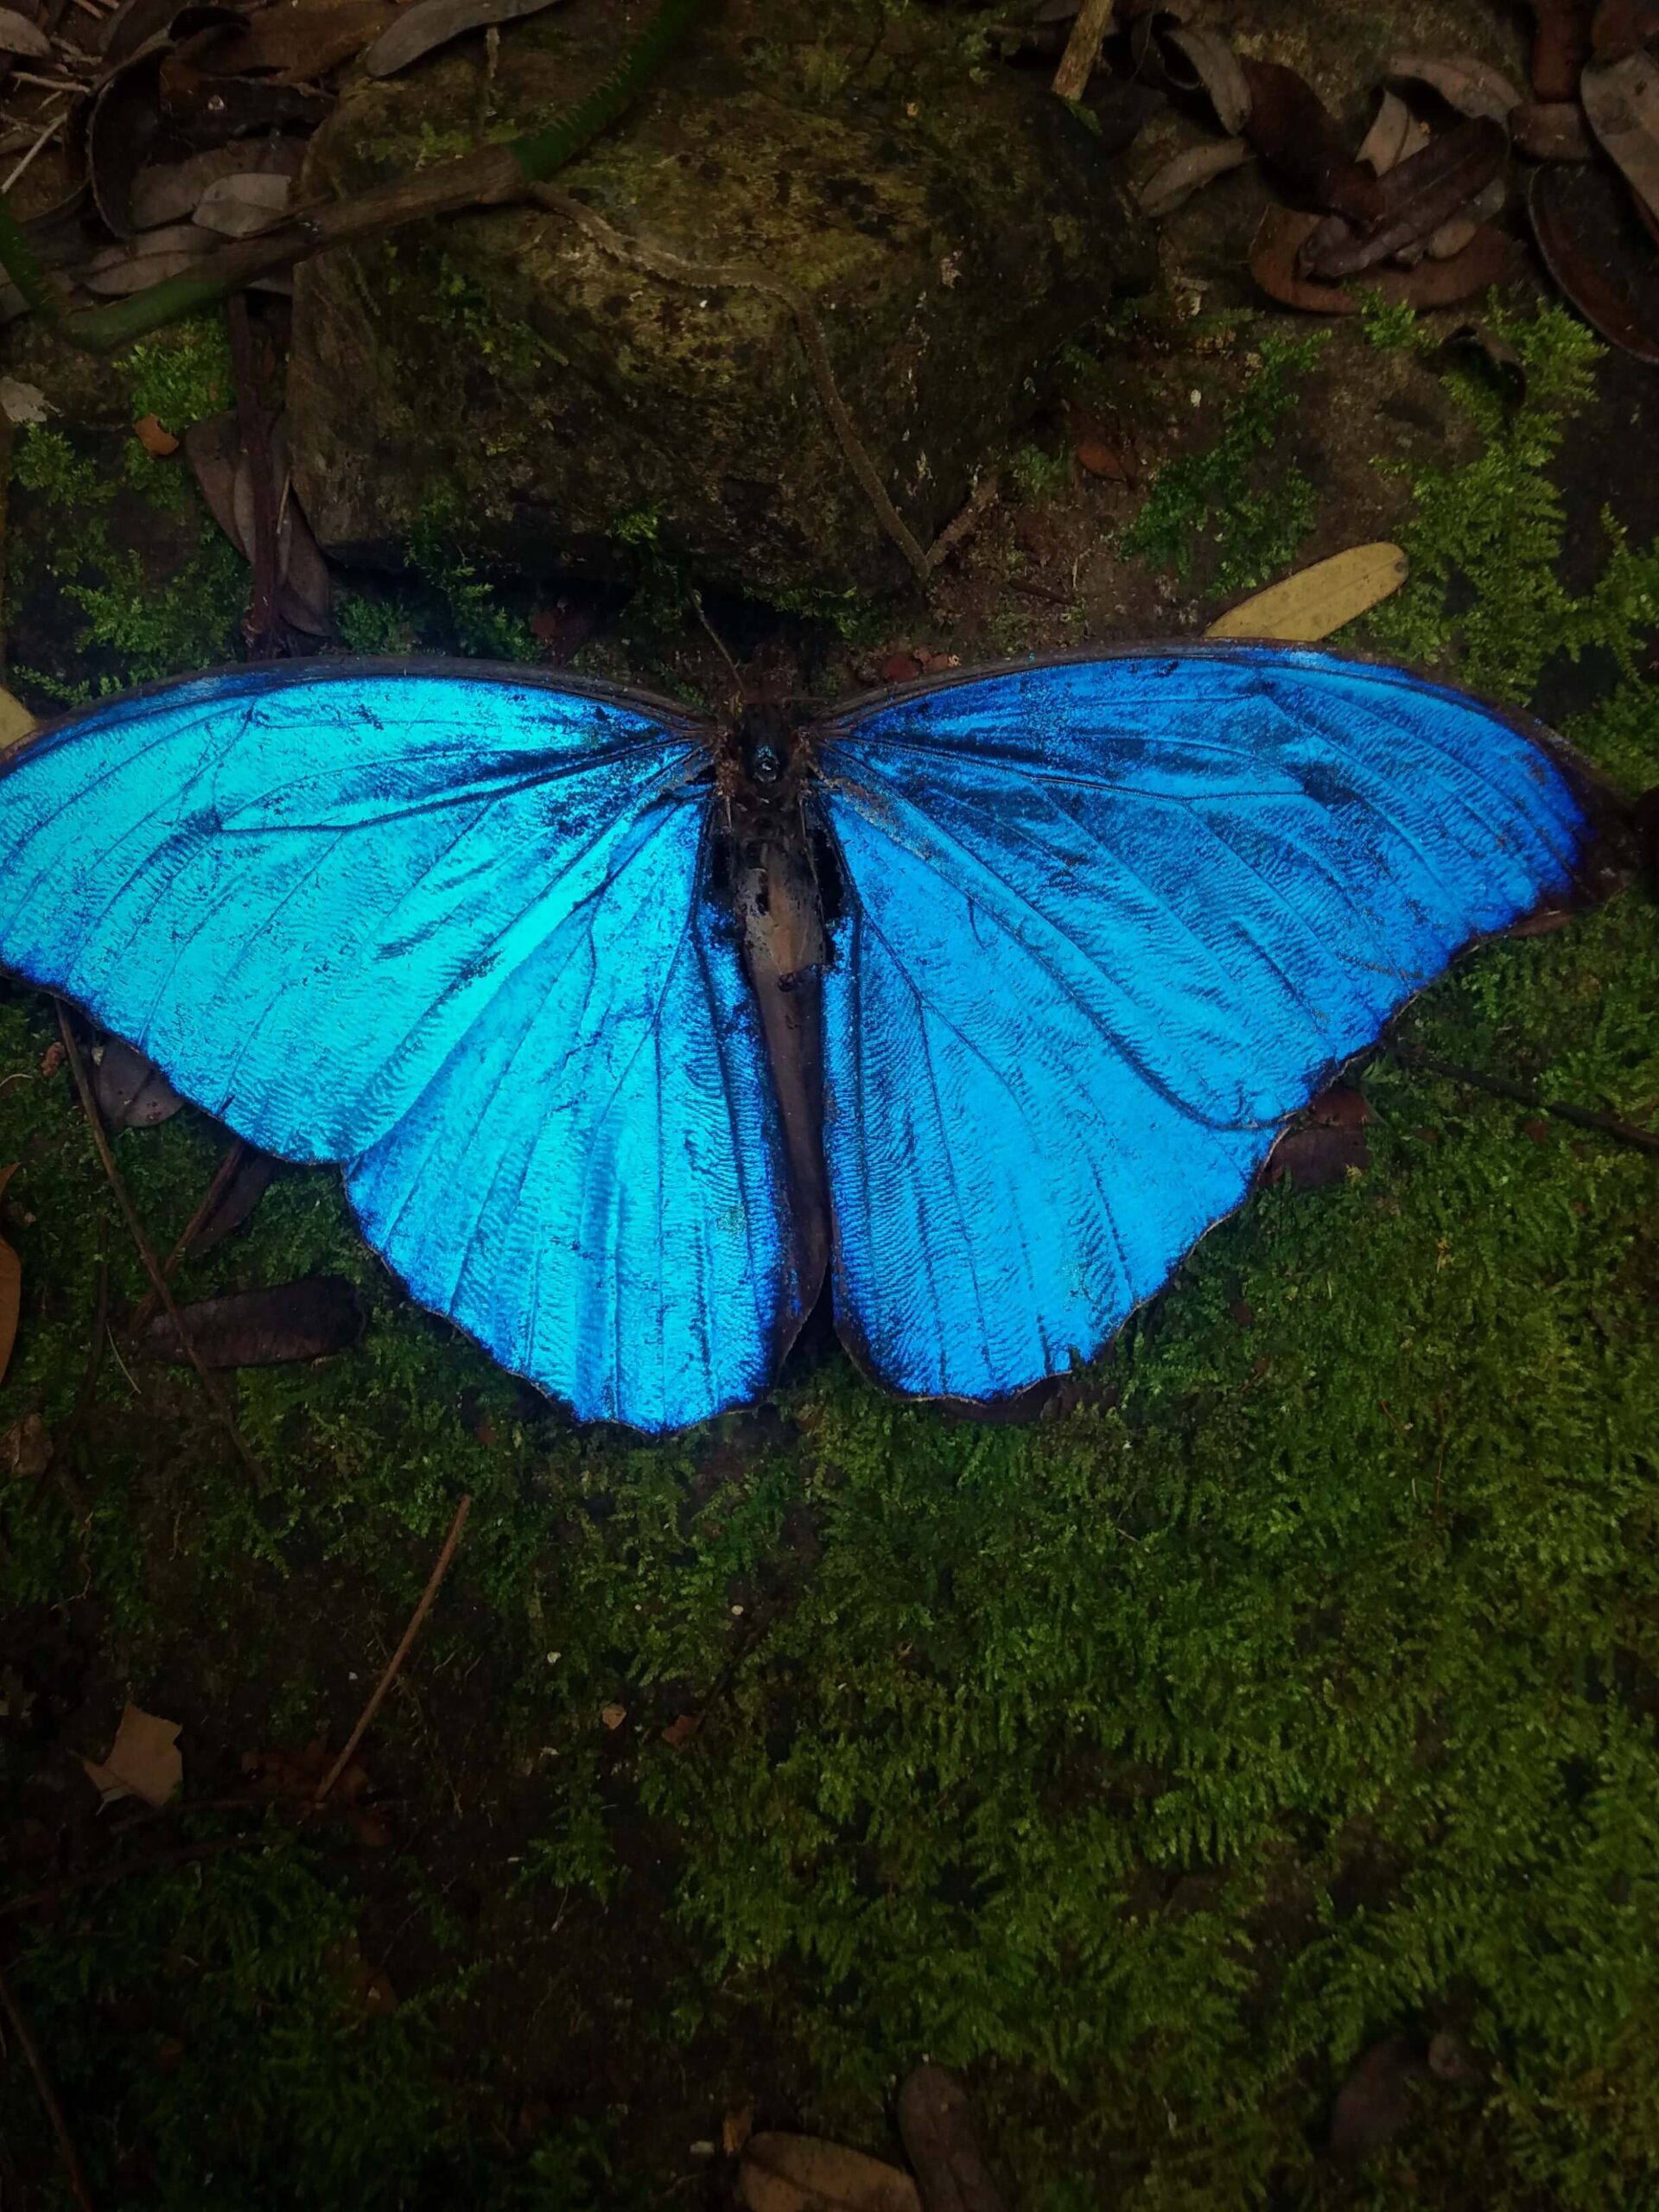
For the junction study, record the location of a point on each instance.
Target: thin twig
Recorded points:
(1582, 1117)
(39, 146)
(378, 1697)
(224, 1175)
(1082, 49)
(71, 2157)
(260, 624)
(89, 1107)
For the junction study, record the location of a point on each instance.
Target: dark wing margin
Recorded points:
(1107, 923)
(450, 930)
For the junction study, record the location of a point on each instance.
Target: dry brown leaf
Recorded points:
(295, 45)
(430, 23)
(132, 1093)
(1621, 25)
(1215, 66)
(1435, 284)
(23, 403)
(1175, 182)
(144, 1760)
(151, 260)
(303, 1320)
(237, 207)
(1414, 198)
(19, 35)
(170, 192)
(1318, 600)
(1584, 221)
(15, 721)
(1471, 86)
(735, 2130)
(1622, 101)
(613, 1716)
(1551, 130)
(26, 1448)
(11, 1288)
(154, 437)
(803, 2173)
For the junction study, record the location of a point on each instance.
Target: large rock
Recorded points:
(499, 377)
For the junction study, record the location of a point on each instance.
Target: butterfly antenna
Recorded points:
(721, 646)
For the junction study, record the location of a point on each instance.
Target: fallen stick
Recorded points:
(1082, 49)
(224, 1175)
(379, 1694)
(1582, 1117)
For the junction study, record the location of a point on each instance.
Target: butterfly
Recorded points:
(985, 997)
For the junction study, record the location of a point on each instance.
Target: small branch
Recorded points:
(1582, 1117)
(378, 1696)
(89, 1107)
(491, 176)
(224, 1175)
(1082, 49)
(260, 624)
(71, 2165)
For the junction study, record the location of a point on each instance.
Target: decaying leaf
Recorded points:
(1294, 133)
(803, 2173)
(213, 448)
(19, 35)
(1341, 1106)
(237, 206)
(151, 258)
(680, 1730)
(23, 403)
(170, 192)
(11, 1288)
(1215, 66)
(132, 1093)
(154, 435)
(144, 1761)
(295, 44)
(15, 721)
(1584, 220)
(1432, 284)
(264, 1328)
(236, 1202)
(430, 23)
(1395, 134)
(1471, 86)
(736, 2129)
(612, 1715)
(26, 1447)
(1320, 599)
(1621, 100)
(1314, 1157)
(1168, 187)
(1414, 197)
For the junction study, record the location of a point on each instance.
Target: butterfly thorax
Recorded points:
(775, 889)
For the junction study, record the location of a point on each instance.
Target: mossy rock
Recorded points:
(558, 409)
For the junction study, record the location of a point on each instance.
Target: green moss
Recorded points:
(374, 626)
(1484, 539)
(480, 624)
(1251, 519)
(1039, 473)
(183, 374)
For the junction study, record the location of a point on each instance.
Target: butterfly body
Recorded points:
(981, 999)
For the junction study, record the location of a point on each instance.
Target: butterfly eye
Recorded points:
(766, 763)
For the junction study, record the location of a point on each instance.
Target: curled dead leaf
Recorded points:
(237, 207)
(1551, 130)
(803, 2173)
(1472, 87)
(1320, 599)
(15, 721)
(736, 2129)
(170, 192)
(1433, 284)
(1561, 42)
(1314, 1158)
(1395, 134)
(1169, 187)
(1414, 198)
(131, 1091)
(19, 35)
(613, 1716)
(1296, 134)
(151, 258)
(153, 434)
(1213, 64)
(1584, 223)
(1621, 27)
(144, 1761)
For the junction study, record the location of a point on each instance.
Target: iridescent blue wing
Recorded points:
(450, 930)
(1106, 923)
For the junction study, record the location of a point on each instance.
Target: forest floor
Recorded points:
(1276, 1712)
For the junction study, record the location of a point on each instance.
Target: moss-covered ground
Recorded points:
(1288, 1687)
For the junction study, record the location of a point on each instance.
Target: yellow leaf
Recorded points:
(803, 2173)
(15, 721)
(11, 1288)
(1315, 601)
(144, 1760)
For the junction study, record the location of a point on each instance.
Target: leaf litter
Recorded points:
(144, 1761)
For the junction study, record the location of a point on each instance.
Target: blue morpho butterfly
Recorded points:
(989, 996)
